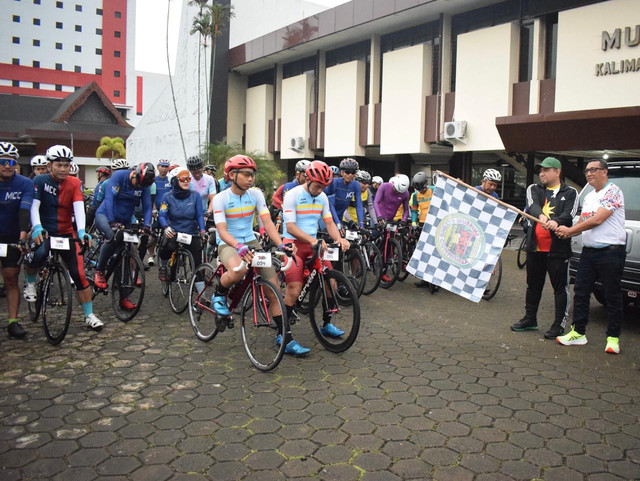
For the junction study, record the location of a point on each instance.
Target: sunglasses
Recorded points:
(247, 173)
(9, 162)
(351, 172)
(184, 179)
(592, 170)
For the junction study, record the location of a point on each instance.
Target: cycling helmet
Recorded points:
(349, 164)
(301, 165)
(59, 153)
(363, 176)
(238, 162)
(377, 180)
(175, 173)
(39, 161)
(334, 170)
(319, 172)
(104, 171)
(210, 169)
(492, 174)
(8, 150)
(173, 166)
(118, 164)
(163, 162)
(194, 163)
(400, 183)
(73, 168)
(420, 180)
(145, 174)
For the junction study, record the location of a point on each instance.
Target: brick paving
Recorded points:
(435, 387)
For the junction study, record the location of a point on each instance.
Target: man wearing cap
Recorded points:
(555, 204)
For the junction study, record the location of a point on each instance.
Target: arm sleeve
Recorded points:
(359, 209)
(533, 201)
(35, 213)
(405, 210)
(146, 205)
(163, 213)
(199, 213)
(78, 212)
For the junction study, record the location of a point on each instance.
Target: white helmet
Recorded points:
(301, 165)
(8, 150)
(39, 161)
(73, 168)
(59, 153)
(377, 180)
(400, 183)
(492, 174)
(118, 164)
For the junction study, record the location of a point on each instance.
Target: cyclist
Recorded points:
(300, 178)
(103, 174)
(344, 189)
(376, 182)
(210, 169)
(335, 171)
(162, 186)
(419, 203)
(202, 183)
(126, 188)
(181, 211)
(304, 206)
(490, 180)
(116, 164)
(234, 212)
(364, 178)
(39, 164)
(16, 197)
(57, 199)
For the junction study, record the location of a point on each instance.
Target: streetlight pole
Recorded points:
(70, 133)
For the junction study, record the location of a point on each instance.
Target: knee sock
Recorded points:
(87, 307)
(15, 319)
(31, 278)
(288, 337)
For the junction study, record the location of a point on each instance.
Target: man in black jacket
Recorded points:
(554, 203)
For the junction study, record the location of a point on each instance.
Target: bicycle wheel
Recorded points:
(494, 281)
(343, 314)
(374, 268)
(57, 303)
(128, 285)
(34, 307)
(522, 253)
(393, 264)
(353, 266)
(259, 330)
(407, 252)
(180, 274)
(201, 314)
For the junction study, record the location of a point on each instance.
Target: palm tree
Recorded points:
(173, 94)
(114, 146)
(201, 25)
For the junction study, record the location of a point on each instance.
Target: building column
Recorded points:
(219, 100)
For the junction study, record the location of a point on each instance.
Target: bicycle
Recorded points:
(373, 262)
(496, 275)
(409, 236)
(354, 262)
(179, 273)
(391, 250)
(254, 296)
(522, 253)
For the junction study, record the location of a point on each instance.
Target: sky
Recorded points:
(151, 24)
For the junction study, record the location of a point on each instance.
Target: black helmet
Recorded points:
(210, 169)
(420, 180)
(194, 163)
(349, 164)
(145, 174)
(363, 176)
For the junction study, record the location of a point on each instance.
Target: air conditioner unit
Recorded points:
(296, 143)
(455, 131)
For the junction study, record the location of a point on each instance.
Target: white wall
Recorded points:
(153, 84)
(259, 110)
(296, 107)
(406, 81)
(236, 105)
(579, 50)
(344, 96)
(486, 68)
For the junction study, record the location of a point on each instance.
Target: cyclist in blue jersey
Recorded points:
(116, 164)
(16, 197)
(103, 174)
(490, 182)
(345, 189)
(162, 186)
(126, 188)
(39, 164)
(234, 212)
(203, 184)
(304, 206)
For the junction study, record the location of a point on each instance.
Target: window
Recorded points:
(98, 11)
(526, 52)
(78, 48)
(36, 21)
(77, 69)
(78, 8)
(305, 65)
(98, 71)
(78, 28)
(98, 31)
(116, 93)
(35, 85)
(266, 77)
(58, 4)
(15, 39)
(36, 63)
(15, 83)
(116, 53)
(551, 46)
(59, 25)
(118, 15)
(116, 73)
(58, 46)
(116, 34)
(16, 18)
(15, 61)
(58, 66)
(58, 88)
(98, 51)
(36, 42)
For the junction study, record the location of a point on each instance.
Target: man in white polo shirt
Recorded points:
(603, 254)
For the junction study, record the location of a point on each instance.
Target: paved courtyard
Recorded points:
(435, 387)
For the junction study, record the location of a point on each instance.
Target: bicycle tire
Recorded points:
(56, 292)
(407, 252)
(374, 269)
(522, 253)
(35, 307)
(393, 264)
(179, 280)
(358, 278)
(125, 284)
(494, 281)
(259, 330)
(346, 317)
(203, 321)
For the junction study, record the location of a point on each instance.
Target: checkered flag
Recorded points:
(462, 239)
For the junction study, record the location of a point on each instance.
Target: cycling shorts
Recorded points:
(226, 253)
(72, 259)
(13, 253)
(304, 252)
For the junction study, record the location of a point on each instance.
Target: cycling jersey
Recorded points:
(98, 193)
(388, 201)
(223, 184)
(278, 195)
(344, 193)
(15, 195)
(238, 212)
(304, 210)
(163, 185)
(55, 203)
(419, 204)
(182, 211)
(205, 187)
(367, 201)
(122, 197)
(493, 194)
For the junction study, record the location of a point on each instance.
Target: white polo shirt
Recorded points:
(611, 231)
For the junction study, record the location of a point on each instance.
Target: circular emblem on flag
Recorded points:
(460, 240)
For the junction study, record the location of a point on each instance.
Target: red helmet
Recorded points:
(319, 172)
(238, 162)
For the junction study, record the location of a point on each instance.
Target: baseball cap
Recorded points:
(549, 162)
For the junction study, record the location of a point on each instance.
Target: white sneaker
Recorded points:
(92, 322)
(151, 262)
(29, 292)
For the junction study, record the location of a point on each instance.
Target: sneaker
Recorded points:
(613, 345)
(554, 331)
(385, 278)
(296, 349)
(99, 280)
(162, 274)
(572, 338)
(525, 324)
(127, 305)
(92, 322)
(29, 292)
(331, 331)
(16, 330)
(139, 281)
(220, 305)
(151, 261)
(279, 339)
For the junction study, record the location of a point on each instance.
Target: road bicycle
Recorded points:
(522, 253)
(353, 263)
(391, 250)
(496, 275)
(409, 236)
(179, 273)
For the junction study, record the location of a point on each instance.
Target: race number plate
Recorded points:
(261, 259)
(332, 254)
(352, 235)
(60, 243)
(184, 238)
(3, 250)
(392, 227)
(130, 237)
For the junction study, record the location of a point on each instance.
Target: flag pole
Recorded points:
(504, 204)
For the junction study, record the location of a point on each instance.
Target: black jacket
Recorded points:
(563, 206)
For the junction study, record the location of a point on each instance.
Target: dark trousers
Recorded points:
(539, 264)
(605, 265)
(169, 246)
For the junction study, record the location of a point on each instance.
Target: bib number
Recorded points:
(60, 243)
(392, 227)
(184, 238)
(3, 250)
(130, 237)
(351, 235)
(332, 254)
(261, 259)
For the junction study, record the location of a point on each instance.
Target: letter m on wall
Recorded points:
(611, 41)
